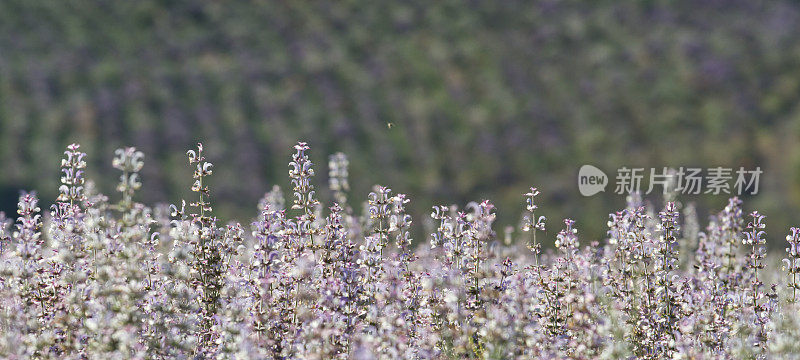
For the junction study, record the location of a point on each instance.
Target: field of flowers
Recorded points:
(106, 277)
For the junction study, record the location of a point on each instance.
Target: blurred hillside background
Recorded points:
(485, 98)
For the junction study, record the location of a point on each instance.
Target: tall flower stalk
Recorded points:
(792, 262)
(338, 178)
(532, 224)
(300, 173)
(207, 257)
(380, 201)
(73, 180)
(130, 162)
(668, 257)
(754, 238)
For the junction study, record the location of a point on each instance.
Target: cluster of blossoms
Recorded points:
(95, 279)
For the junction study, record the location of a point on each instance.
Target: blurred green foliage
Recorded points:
(485, 98)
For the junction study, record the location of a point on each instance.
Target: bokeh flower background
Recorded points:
(447, 101)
